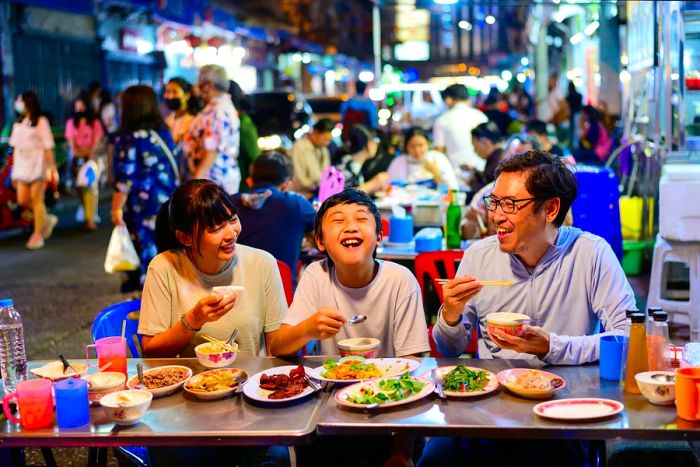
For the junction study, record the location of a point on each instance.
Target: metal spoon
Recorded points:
(139, 370)
(233, 337)
(66, 364)
(357, 319)
(438, 379)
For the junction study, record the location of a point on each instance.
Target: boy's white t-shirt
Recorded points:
(174, 286)
(392, 303)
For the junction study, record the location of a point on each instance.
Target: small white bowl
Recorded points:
(214, 359)
(659, 387)
(367, 347)
(126, 407)
(101, 384)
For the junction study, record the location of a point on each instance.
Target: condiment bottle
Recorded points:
(637, 361)
(453, 229)
(650, 319)
(625, 345)
(658, 343)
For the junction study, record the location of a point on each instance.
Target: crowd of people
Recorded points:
(205, 208)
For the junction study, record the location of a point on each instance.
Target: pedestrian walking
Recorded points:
(84, 134)
(33, 164)
(184, 105)
(145, 174)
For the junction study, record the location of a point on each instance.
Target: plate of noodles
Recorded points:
(353, 370)
(530, 383)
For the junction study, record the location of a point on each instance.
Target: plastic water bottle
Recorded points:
(13, 359)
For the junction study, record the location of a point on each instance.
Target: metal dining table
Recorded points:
(183, 420)
(502, 414)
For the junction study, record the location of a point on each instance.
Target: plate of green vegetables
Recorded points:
(465, 381)
(385, 392)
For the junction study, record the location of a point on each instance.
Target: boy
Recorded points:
(351, 282)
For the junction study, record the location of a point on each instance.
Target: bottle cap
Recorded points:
(628, 313)
(653, 310)
(6, 302)
(660, 316)
(638, 317)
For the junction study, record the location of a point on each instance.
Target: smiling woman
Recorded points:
(178, 303)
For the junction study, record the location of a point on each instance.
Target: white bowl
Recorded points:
(126, 407)
(215, 359)
(165, 390)
(101, 384)
(367, 347)
(510, 323)
(659, 390)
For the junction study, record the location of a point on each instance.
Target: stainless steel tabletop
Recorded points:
(505, 415)
(183, 420)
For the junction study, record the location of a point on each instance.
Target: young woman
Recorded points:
(33, 164)
(178, 302)
(145, 173)
(84, 134)
(421, 165)
(183, 106)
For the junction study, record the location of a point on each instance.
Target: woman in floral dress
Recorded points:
(145, 173)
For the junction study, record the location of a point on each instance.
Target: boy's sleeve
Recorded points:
(305, 298)
(410, 329)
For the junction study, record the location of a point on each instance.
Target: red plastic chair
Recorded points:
(427, 264)
(286, 275)
(385, 228)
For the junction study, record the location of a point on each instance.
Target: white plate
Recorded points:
(212, 395)
(166, 390)
(253, 390)
(388, 366)
(341, 397)
(490, 387)
(578, 409)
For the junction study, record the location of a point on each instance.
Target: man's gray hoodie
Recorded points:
(577, 284)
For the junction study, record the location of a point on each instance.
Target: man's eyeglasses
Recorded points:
(508, 206)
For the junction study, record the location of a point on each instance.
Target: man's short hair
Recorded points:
(216, 75)
(537, 127)
(360, 87)
(488, 130)
(548, 177)
(456, 91)
(325, 125)
(271, 167)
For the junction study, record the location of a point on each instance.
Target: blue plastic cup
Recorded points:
(611, 355)
(72, 405)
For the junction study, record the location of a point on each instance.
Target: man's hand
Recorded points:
(457, 293)
(535, 340)
(323, 324)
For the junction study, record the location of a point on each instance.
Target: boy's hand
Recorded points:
(323, 324)
(457, 292)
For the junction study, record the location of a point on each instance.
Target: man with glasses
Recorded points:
(569, 281)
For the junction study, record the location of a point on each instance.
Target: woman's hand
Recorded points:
(118, 217)
(457, 293)
(210, 309)
(432, 168)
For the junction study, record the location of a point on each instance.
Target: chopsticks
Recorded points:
(223, 344)
(496, 283)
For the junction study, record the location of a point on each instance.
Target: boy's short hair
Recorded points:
(349, 196)
(271, 167)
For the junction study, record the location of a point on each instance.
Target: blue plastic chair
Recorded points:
(596, 209)
(109, 323)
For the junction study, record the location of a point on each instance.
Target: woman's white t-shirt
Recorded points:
(174, 285)
(29, 144)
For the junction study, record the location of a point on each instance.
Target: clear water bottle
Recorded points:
(13, 359)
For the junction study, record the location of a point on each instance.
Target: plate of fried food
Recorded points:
(278, 385)
(530, 383)
(356, 369)
(463, 381)
(162, 380)
(216, 384)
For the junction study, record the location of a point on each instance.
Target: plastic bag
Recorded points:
(121, 254)
(88, 174)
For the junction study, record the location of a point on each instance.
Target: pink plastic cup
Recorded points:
(110, 350)
(34, 402)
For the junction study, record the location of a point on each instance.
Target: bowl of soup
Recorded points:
(367, 347)
(126, 407)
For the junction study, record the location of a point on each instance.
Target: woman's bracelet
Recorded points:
(187, 325)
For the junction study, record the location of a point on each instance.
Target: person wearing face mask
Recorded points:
(33, 164)
(212, 145)
(183, 107)
(84, 134)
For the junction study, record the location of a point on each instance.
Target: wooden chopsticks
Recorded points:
(223, 344)
(497, 283)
